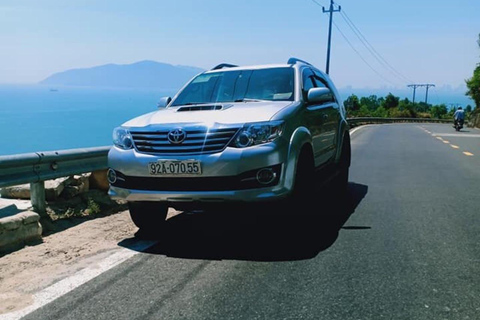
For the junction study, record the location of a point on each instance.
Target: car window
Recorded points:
(308, 82)
(322, 83)
(275, 84)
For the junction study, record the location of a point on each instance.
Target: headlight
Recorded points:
(257, 133)
(122, 138)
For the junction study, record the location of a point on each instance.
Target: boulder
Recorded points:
(53, 188)
(76, 185)
(98, 180)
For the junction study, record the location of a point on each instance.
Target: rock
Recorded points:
(76, 185)
(16, 227)
(16, 192)
(53, 188)
(98, 180)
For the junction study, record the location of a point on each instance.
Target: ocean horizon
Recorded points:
(38, 118)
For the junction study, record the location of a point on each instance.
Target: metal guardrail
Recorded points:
(372, 120)
(35, 168)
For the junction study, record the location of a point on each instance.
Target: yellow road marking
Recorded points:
(454, 146)
(468, 153)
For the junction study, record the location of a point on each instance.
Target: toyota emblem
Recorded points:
(176, 136)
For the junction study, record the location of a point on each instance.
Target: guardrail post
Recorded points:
(37, 196)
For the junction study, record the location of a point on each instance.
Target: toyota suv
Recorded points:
(264, 134)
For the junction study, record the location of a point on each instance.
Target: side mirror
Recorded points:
(163, 103)
(320, 95)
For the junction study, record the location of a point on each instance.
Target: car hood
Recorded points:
(225, 113)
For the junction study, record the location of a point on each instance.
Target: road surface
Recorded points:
(406, 245)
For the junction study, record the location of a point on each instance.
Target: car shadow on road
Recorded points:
(255, 236)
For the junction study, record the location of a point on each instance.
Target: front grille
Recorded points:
(198, 140)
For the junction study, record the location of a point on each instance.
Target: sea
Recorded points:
(37, 118)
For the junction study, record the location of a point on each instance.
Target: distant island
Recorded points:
(143, 74)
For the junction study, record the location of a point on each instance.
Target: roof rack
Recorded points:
(224, 65)
(296, 60)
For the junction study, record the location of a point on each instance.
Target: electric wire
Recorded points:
(370, 48)
(361, 57)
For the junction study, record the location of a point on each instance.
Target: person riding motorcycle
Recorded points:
(458, 117)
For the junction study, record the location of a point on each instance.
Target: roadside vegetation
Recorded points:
(473, 86)
(392, 106)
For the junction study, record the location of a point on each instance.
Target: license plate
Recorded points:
(175, 167)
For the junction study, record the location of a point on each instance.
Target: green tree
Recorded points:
(438, 111)
(364, 111)
(370, 102)
(422, 107)
(380, 112)
(473, 84)
(352, 104)
(390, 101)
(404, 104)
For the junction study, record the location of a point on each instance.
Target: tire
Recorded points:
(148, 216)
(341, 181)
(304, 185)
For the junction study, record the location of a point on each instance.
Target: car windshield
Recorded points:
(275, 84)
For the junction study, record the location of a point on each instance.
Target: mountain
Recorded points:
(143, 74)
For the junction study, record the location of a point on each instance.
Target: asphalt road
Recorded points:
(406, 245)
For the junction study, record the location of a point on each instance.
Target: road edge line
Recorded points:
(70, 283)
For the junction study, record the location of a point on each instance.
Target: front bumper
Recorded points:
(226, 176)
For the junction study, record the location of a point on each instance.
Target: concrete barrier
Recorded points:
(17, 228)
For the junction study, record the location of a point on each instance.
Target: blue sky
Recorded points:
(417, 41)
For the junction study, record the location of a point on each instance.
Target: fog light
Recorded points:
(266, 175)
(111, 176)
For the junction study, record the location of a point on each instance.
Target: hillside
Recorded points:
(143, 74)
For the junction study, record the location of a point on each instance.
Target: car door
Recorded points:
(331, 118)
(315, 117)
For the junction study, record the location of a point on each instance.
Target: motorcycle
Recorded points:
(458, 124)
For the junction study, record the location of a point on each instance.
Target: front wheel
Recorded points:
(303, 187)
(341, 181)
(148, 216)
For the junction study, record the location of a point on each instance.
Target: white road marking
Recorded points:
(68, 284)
(352, 131)
(466, 135)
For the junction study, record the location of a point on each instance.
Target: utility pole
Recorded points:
(428, 85)
(331, 11)
(415, 86)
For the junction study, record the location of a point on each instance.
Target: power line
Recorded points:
(348, 42)
(361, 57)
(371, 49)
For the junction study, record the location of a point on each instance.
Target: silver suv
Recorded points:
(265, 134)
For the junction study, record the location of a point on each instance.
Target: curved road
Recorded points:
(406, 245)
